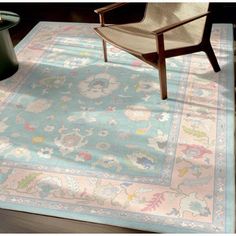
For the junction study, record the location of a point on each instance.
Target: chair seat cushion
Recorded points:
(136, 39)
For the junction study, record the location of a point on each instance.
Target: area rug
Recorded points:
(93, 141)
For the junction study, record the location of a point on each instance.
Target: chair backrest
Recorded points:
(161, 14)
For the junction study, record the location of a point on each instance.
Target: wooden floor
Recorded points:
(20, 222)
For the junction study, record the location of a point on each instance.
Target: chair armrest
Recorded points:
(175, 25)
(109, 8)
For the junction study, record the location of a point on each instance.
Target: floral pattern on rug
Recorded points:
(81, 138)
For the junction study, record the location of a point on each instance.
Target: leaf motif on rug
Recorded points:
(155, 202)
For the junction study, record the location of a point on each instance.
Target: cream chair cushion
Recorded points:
(137, 37)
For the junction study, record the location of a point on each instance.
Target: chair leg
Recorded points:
(161, 64)
(162, 77)
(212, 58)
(104, 50)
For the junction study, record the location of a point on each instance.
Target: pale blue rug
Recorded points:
(88, 140)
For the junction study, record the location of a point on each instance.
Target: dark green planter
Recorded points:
(8, 60)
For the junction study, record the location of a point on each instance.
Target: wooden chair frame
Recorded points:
(158, 59)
